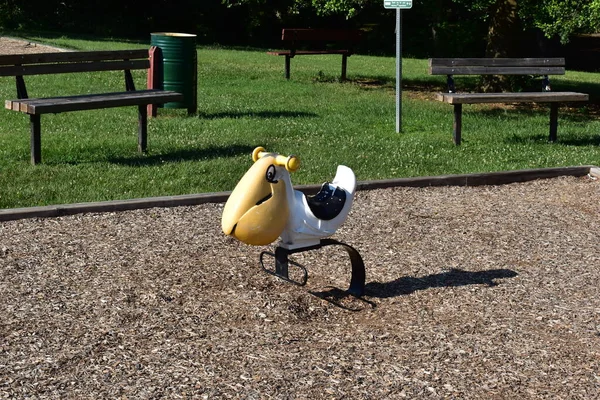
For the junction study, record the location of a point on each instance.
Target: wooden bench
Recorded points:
(502, 66)
(319, 40)
(87, 61)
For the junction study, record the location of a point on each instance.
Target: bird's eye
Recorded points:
(271, 174)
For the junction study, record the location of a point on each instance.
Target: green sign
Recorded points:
(397, 4)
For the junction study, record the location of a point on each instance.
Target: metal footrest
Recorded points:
(282, 264)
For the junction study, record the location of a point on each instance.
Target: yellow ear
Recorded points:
(291, 163)
(258, 153)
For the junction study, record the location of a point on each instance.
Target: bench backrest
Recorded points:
(316, 35)
(76, 61)
(496, 66)
(19, 65)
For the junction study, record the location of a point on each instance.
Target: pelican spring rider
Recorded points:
(264, 206)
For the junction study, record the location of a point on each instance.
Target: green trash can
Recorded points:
(179, 67)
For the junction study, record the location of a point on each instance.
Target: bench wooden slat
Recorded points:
(73, 56)
(523, 97)
(505, 62)
(497, 66)
(500, 70)
(40, 69)
(92, 101)
(307, 52)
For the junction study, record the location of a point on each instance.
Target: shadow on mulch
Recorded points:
(407, 285)
(343, 299)
(453, 278)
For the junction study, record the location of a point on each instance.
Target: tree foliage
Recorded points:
(430, 28)
(553, 17)
(562, 17)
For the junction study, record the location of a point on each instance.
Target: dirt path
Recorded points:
(10, 45)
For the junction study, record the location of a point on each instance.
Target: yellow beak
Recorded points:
(257, 211)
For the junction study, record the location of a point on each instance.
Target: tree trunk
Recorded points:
(505, 36)
(504, 31)
(438, 44)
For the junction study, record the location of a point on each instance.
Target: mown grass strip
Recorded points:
(244, 101)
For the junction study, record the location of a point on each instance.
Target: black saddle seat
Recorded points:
(328, 203)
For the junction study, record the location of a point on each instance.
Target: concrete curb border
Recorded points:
(492, 178)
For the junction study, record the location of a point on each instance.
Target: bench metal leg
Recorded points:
(36, 139)
(457, 127)
(344, 66)
(287, 67)
(21, 88)
(142, 128)
(553, 122)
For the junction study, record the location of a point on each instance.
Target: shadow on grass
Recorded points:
(593, 89)
(591, 140)
(471, 84)
(369, 82)
(565, 140)
(572, 112)
(530, 110)
(453, 278)
(183, 155)
(257, 114)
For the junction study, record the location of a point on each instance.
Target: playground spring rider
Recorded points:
(264, 206)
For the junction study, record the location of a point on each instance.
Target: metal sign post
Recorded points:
(399, 5)
(398, 70)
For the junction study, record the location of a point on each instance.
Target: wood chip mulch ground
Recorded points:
(472, 293)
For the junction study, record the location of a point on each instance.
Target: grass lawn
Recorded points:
(244, 101)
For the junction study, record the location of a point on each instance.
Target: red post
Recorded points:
(152, 81)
